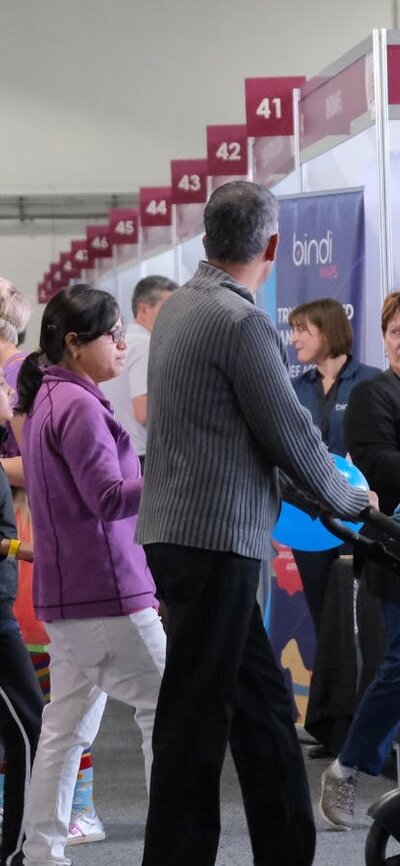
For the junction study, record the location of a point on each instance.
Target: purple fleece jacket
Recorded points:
(84, 486)
(11, 369)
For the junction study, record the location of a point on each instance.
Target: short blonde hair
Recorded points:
(15, 310)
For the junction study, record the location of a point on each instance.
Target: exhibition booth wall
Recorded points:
(330, 150)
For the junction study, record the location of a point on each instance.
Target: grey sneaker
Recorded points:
(336, 805)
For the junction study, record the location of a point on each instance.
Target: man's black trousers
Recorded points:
(221, 684)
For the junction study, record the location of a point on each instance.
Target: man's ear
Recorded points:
(204, 242)
(271, 248)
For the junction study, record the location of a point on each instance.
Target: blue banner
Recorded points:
(321, 255)
(266, 296)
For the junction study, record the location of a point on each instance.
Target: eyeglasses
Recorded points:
(117, 334)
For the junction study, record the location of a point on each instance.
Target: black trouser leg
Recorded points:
(268, 759)
(314, 569)
(211, 599)
(21, 706)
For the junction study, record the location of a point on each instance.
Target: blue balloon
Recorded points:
(297, 529)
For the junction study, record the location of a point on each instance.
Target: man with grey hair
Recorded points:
(223, 417)
(127, 393)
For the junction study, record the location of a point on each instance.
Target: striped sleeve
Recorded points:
(283, 427)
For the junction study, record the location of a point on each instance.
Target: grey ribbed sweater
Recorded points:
(222, 416)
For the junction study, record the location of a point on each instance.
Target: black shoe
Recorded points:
(319, 751)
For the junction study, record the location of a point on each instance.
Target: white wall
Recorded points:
(26, 250)
(99, 96)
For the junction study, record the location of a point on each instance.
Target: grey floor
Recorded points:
(121, 801)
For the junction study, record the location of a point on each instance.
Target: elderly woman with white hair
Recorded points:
(15, 310)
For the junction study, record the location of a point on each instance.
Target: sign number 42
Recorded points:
(229, 151)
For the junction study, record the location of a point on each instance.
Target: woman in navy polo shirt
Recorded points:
(323, 338)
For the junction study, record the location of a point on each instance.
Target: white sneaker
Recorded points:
(85, 827)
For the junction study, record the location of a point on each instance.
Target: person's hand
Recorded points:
(373, 499)
(24, 549)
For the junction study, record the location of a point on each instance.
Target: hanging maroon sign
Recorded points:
(330, 104)
(99, 242)
(44, 290)
(124, 225)
(227, 150)
(79, 254)
(393, 64)
(57, 277)
(155, 206)
(189, 181)
(68, 269)
(269, 105)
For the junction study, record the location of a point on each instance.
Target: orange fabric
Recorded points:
(33, 631)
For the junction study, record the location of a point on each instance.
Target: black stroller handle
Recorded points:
(387, 527)
(374, 550)
(390, 526)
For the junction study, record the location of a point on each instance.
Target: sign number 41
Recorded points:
(264, 108)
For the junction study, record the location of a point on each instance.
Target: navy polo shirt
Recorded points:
(328, 410)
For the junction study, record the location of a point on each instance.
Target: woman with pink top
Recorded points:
(91, 583)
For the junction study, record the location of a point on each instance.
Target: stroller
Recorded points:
(386, 810)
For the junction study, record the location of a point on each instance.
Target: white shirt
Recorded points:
(132, 382)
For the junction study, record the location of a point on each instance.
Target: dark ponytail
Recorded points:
(29, 381)
(78, 309)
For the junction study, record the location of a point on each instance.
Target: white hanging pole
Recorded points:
(379, 42)
(296, 139)
(395, 15)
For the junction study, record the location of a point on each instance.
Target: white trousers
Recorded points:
(89, 659)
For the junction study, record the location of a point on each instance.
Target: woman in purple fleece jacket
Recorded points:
(92, 586)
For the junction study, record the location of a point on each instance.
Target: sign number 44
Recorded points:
(155, 207)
